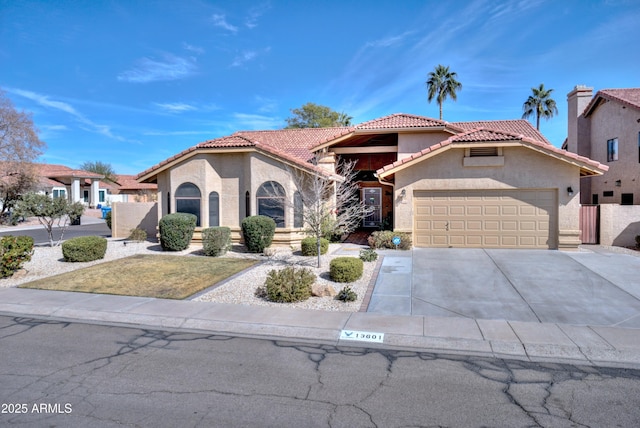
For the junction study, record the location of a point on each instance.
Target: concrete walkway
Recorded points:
(531, 341)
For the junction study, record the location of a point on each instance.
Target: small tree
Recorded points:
(50, 212)
(330, 202)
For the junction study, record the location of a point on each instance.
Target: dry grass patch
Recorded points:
(165, 277)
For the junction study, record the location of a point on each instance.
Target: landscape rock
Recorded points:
(323, 290)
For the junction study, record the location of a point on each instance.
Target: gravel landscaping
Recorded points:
(239, 289)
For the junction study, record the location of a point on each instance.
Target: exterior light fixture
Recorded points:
(403, 194)
(570, 190)
(618, 183)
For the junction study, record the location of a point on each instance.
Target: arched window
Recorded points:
(188, 200)
(214, 209)
(298, 207)
(270, 201)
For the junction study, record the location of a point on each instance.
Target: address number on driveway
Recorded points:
(365, 336)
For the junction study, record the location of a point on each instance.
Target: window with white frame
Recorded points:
(59, 193)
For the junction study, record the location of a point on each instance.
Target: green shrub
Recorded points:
(309, 246)
(216, 241)
(107, 218)
(258, 231)
(289, 284)
(347, 295)
(137, 235)
(368, 255)
(176, 231)
(14, 252)
(383, 239)
(346, 269)
(84, 249)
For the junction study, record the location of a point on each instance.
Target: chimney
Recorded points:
(577, 101)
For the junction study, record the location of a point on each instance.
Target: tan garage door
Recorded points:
(486, 219)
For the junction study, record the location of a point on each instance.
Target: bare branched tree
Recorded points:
(325, 204)
(19, 147)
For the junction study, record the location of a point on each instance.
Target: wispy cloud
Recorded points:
(170, 67)
(255, 13)
(256, 121)
(221, 21)
(266, 105)
(191, 48)
(85, 123)
(389, 41)
(174, 133)
(176, 107)
(243, 58)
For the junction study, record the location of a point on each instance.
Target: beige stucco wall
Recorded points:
(409, 144)
(523, 168)
(126, 216)
(231, 175)
(613, 120)
(619, 224)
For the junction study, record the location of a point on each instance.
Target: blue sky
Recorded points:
(132, 83)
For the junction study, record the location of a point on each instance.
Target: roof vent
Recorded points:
(483, 151)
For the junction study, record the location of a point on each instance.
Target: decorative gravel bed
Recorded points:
(240, 289)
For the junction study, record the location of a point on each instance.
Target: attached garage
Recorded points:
(514, 218)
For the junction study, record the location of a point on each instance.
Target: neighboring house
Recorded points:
(89, 188)
(493, 184)
(606, 128)
(60, 181)
(127, 189)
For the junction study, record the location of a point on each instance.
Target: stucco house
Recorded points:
(90, 188)
(606, 128)
(493, 184)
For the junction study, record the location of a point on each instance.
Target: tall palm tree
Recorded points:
(541, 104)
(442, 83)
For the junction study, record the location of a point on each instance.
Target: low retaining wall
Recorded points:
(619, 224)
(126, 216)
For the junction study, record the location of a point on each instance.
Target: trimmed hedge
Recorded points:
(14, 252)
(309, 246)
(216, 241)
(383, 239)
(176, 231)
(289, 284)
(84, 249)
(258, 232)
(346, 269)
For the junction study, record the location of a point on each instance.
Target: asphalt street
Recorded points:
(41, 237)
(57, 373)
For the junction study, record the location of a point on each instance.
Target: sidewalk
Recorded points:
(540, 342)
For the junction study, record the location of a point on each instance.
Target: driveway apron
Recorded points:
(582, 288)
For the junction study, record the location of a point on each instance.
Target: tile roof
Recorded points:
(129, 182)
(517, 126)
(53, 170)
(297, 145)
(400, 121)
(628, 96)
(482, 135)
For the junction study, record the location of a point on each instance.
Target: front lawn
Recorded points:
(160, 276)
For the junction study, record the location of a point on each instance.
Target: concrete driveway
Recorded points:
(581, 288)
